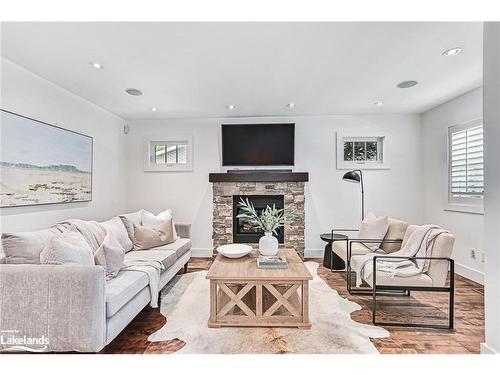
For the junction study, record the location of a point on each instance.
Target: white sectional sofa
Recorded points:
(73, 307)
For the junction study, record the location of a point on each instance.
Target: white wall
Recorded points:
(467, 227)
(329, 201)
(492, 187)
(29, 95)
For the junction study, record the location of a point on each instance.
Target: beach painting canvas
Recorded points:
(42, 163)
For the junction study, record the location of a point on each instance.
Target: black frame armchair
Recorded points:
(376, 289)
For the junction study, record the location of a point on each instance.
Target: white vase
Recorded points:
(268, 244)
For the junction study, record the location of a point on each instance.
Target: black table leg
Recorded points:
(337, 262)
(327, 256)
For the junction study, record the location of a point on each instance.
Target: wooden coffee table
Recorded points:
(243, 295)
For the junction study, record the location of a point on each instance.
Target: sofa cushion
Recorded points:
(121, 289)
(69, 247)
(181, 246)
(340, 248)
(167, 257)
(25, 247)
(396, 231)
(117, 229)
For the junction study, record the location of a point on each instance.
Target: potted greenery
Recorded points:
(269, 220)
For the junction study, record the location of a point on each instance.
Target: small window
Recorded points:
(362, 151)
(365, 152)
(167, 153)
(170, 155)
(466, 164)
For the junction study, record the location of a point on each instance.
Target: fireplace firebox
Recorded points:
(243, 232)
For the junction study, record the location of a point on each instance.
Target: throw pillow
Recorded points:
(373, 228)
(147, 238)
(129, 220)
(117, 229)
(69, 247)
(151, 220)
(110, 256)
(396, 231)
(25, 247)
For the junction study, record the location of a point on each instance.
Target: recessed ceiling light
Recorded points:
(379, 104)
(407, 84)
(230, 107)
(95, 64)
(154, 109)
(452, 52)
(291, 105)
(134, 92)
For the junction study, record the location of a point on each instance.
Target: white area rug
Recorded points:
(185, 303)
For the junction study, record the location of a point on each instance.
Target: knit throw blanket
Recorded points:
(419, 244)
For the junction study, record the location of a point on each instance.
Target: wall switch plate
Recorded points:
(473, 253)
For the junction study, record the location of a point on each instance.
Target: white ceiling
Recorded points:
(196, 69)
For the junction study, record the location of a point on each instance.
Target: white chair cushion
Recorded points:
(373, 228)
(384, 279)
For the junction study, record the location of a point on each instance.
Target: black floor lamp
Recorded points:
(356, 176)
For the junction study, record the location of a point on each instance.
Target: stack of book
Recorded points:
(274, 261)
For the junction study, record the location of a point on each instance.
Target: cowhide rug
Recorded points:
(185, 303)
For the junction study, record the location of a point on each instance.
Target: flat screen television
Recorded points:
(258, 144)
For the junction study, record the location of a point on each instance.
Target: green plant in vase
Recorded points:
(269, 220)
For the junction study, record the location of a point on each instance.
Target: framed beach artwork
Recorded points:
(42, 163)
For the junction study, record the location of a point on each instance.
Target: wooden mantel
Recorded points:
(259, 176)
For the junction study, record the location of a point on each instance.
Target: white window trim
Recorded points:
(465, 205)
(342, 164)
(152, 139)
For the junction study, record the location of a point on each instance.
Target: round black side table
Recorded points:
(330, 259)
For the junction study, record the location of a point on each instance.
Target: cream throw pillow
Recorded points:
(110, 256)
(117, 229)
(373, 228)
(147, 238)
(69, 247)
(151, 220)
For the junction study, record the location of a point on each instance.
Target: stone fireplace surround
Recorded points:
(226, 185)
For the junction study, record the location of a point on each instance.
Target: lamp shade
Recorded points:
(352, 176)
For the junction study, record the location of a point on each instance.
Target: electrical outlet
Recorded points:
(473, 253)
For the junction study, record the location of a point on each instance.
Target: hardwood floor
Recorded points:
(468, 333)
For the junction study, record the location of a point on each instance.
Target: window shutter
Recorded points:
(467, 162)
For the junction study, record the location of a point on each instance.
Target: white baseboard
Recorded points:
(469, 273)
(486, 349)
(201, 252)
(313, 253)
